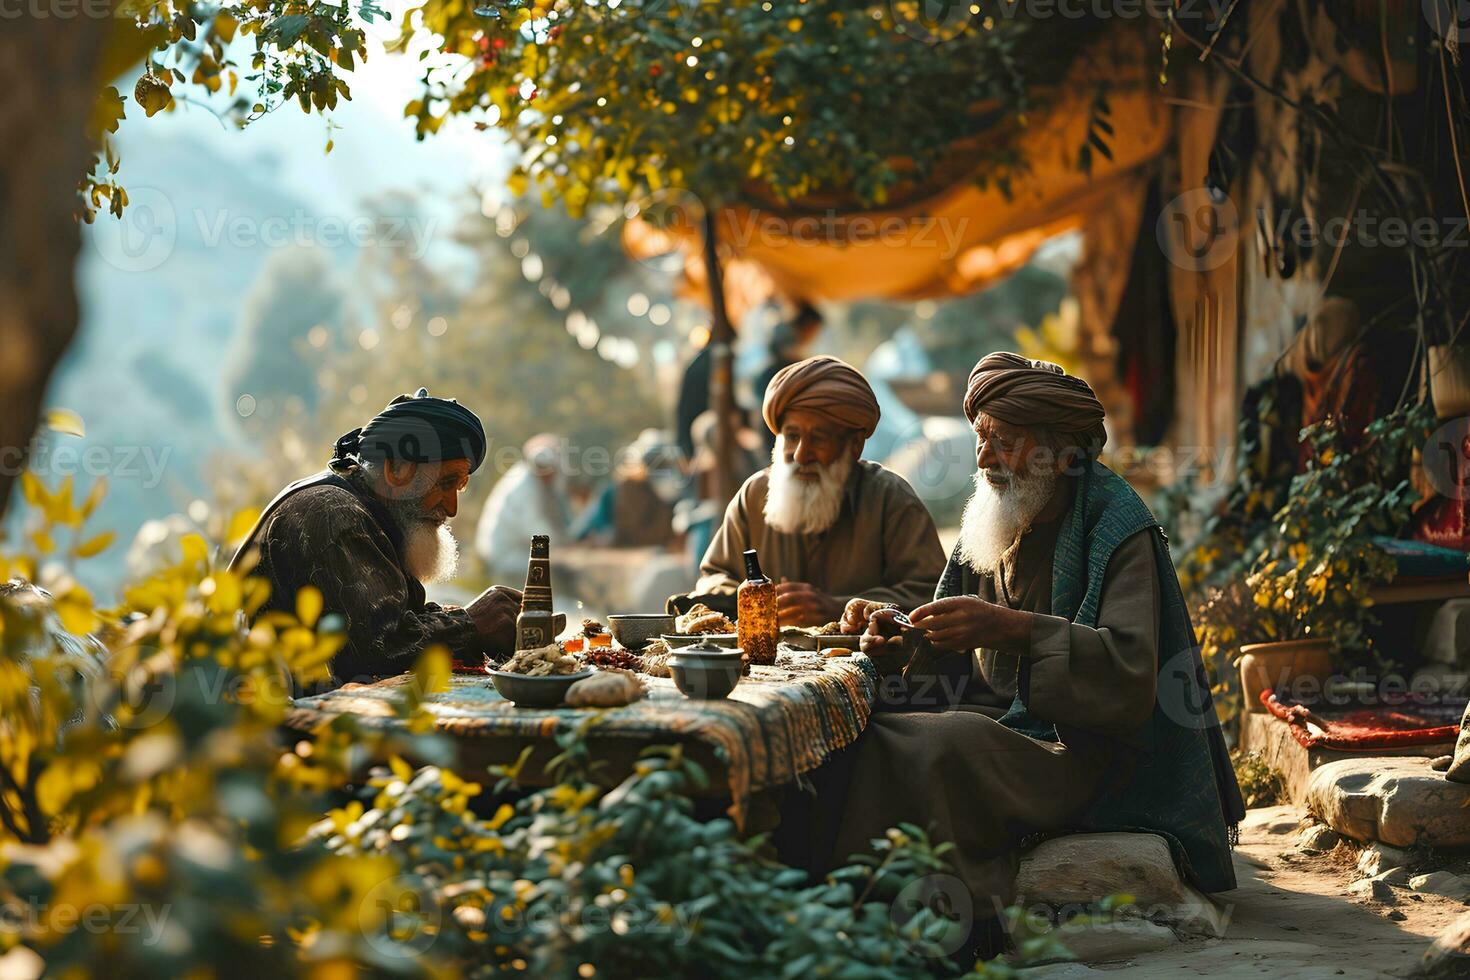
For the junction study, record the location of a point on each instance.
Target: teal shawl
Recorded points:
(1182, 786)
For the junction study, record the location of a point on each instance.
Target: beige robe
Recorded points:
(883, 545)
(934, 754)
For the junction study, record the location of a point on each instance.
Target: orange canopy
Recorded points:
(961, 237)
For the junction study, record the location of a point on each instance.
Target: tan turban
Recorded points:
(824, 385)
(1035, 394)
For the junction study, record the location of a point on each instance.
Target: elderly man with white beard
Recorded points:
(369, 531)
(1053, 684)
(829, 526)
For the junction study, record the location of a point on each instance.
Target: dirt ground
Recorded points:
(1292, 917)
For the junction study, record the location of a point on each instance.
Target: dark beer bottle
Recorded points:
(756, 613)
(534, 626)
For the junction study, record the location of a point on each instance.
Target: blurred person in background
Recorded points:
(531, 498)
(698, 514)
(636, 508)
(789, 343)
(372, 529)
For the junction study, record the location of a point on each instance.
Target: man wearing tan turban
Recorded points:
(1053, 683)
(828, 525)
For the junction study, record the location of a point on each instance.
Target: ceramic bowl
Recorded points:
(546, 691)
(633, 631)
(677, 641)
(706, 674)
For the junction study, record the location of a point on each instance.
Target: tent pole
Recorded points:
(721, 377)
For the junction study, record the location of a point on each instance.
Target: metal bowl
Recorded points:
(633, 631)
(679, 640)
(706, 674)
(545, 691)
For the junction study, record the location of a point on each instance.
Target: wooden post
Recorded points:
(721, 376)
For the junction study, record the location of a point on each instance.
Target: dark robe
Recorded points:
(340, 539)
(935, 755)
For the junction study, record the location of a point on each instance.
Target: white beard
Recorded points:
(797, 506)
(995, 518)
(430, 552)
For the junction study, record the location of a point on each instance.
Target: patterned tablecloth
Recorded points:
(779, 722)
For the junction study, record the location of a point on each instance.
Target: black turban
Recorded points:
(418, 429)
(1036, 394)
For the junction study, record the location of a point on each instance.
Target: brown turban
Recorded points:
(824, 385)
(1035, 394)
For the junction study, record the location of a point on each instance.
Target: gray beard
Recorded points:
(430, 552)
(795, 506)
(995, 519)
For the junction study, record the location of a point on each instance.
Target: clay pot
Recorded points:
(1449, 380)
(1269, 666)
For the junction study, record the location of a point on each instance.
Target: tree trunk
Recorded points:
(48, 86)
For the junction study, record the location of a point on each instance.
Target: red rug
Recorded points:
(1364, 729)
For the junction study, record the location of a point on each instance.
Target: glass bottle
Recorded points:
(534, 627)
(756, 613)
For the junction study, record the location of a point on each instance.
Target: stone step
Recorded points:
(1398, 801)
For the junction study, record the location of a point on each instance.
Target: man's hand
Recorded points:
(803, 604)
(965, 622)
(494, 612)
(855, 614)
(882, 642)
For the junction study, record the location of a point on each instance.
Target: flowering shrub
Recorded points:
(154, 822)
(1309, 571)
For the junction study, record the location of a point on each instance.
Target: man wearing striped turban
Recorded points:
(1053, 683)
(372, 528)
(828, 525)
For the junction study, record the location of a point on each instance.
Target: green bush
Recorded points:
(153, 822)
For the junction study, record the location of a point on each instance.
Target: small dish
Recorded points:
(705, 671)
(544, 691)
(633, 631)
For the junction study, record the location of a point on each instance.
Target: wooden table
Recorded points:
(781, 721)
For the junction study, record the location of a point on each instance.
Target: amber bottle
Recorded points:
(756, 613)
(534, 625)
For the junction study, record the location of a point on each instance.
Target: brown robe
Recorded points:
(883, 545)
(934, 754)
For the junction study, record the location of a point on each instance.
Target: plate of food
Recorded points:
(538, 677)
(812, 637)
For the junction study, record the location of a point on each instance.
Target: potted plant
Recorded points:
(1304, 606)
(1290, 640)
(1254, 625)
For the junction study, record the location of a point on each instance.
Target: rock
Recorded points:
(1373, 890)
(1445, 883)
(1397, 800)
(1120, 939)
(1449, 956)
(1377, 858)
(1441, 763)
(1081, 869)
(1398, 877)
(1318, 839)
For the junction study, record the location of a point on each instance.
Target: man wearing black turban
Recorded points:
(369, 531)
